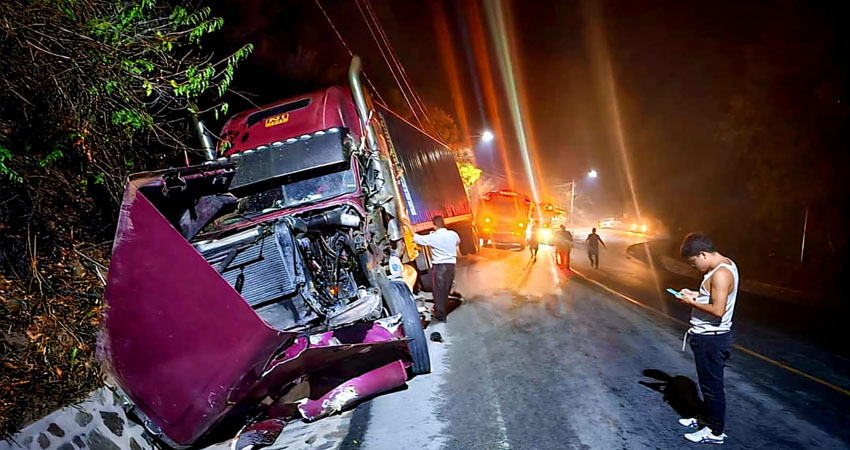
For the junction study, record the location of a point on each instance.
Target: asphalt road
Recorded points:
(539, 359)
(800, 337)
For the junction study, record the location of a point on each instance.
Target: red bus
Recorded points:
(503, 218)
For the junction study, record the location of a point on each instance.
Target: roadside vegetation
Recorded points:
(90, 90)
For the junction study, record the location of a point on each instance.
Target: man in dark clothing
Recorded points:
(563, 247)
(533, 243)
(443, 243)
(593, 240)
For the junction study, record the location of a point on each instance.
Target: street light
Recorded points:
(591, 174)
(486, 137)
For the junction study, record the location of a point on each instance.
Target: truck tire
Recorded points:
(400, 301)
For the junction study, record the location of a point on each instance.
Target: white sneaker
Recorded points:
(705, 436)
(690, 422)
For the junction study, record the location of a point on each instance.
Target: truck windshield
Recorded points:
(300, 192)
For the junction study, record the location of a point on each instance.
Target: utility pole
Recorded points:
(803, 245)
(572, 196)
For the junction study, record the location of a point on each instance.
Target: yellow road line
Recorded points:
(739, 347)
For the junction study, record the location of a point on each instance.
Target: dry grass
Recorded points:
(49, 335)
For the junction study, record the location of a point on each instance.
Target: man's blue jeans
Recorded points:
(710, 354)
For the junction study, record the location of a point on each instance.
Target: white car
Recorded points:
(610, 222)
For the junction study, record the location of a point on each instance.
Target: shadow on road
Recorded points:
(679, 391)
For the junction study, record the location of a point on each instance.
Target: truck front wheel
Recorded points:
(400, 301)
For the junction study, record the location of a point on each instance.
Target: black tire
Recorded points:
(400, 301)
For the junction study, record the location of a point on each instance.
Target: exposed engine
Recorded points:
(300, 271)
(330, 245)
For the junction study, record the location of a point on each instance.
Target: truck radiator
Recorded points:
(267, 275)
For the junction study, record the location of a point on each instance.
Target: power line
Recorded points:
(431, 135)
(350, 53)
(391, 50)
(398, 63)
(383, 54)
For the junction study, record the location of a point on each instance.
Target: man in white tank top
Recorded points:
(710, 334)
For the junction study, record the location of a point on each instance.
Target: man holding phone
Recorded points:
(710, 334)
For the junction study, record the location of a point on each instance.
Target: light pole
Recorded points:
(592, 174)
(572, 196)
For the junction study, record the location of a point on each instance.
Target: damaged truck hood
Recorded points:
(186, 348)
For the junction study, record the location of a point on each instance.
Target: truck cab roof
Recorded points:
(291, 118)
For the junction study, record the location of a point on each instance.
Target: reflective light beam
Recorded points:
(499, 33)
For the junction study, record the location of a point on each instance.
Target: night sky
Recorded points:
(717, 100)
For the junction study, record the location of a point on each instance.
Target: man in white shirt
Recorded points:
(443, 243)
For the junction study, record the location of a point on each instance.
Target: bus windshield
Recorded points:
(507, 207)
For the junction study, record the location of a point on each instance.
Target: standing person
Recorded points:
(533, 243)
(593, 240)
(443, 243)
(563, 247)
(710, 333)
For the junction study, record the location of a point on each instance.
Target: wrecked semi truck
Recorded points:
(273, 281)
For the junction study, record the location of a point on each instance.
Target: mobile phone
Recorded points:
(674, 292)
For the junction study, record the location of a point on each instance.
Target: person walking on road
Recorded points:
(593, 240)
(710, 333)
(563, 247)
(533, 243)
(443, 243)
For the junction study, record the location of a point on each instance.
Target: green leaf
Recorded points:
(145, 65)
(111, 86)
(51, 157)
(6, 155)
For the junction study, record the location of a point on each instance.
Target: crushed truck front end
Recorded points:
(255, 285)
